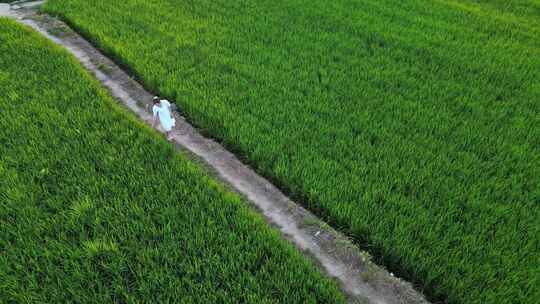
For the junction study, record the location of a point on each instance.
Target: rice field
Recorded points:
(413, 126)
(95, 207)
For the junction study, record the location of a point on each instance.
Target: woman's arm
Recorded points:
(171, 111)
(155, 113)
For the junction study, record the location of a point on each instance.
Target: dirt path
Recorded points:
(359, 278)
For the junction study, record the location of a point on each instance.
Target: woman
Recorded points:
(162, 111)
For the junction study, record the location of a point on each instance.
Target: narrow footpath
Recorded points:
(360, 279)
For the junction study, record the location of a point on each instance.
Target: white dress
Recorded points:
(163, 112)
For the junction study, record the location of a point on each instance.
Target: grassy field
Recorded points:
(414, 126)
(95, 207)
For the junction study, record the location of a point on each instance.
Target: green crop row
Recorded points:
(95, 207)
(414, 126)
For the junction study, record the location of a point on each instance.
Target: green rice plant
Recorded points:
(95, 207)
(414, 126)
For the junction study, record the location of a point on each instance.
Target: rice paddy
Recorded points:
(413, 126)
(95, 207)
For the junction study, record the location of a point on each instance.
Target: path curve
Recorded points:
(360, 279)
